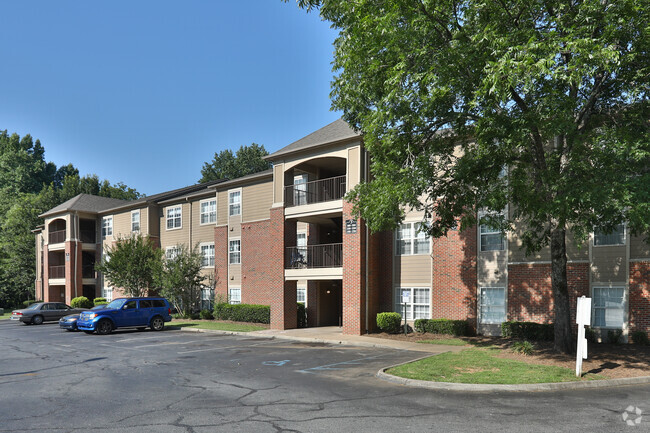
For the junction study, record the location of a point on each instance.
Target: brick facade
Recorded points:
(354, 295)
(256, 262)
(639, 296)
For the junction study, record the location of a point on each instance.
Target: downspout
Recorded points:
(365, 154)
(76, 252)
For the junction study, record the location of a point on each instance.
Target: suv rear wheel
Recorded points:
(157, 323)
(104, 327)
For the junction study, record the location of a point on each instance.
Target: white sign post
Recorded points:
(583, 318)
(406, 298)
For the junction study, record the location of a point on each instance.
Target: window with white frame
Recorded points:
(234, 295)
(301, 244)
(207, 255)
(492, 305)
(172, 252)
(417, 300)
(135, 221)
(616, 237)
(301, 294)
(107, 226)
(108, 294)
(410, 240)
(608, 307)
(207, 298)
(234, 252)
(491, 238)
(208, 211)
(174, 217)
(234, 203)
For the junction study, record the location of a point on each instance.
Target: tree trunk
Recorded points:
(563, 338)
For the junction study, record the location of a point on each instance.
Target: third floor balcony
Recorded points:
(317, 191)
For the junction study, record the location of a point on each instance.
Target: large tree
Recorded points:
(450, 92)
(182, 279)
(229, 165)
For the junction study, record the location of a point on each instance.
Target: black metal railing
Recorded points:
(56, 272)
(317, 191)
(314, 256)
(57, 237)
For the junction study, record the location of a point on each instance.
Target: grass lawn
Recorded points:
(445, 341)
(5, 315)
(479, 365)
(216, 326)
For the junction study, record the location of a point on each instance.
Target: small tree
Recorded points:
(133, 264)
(182, 279)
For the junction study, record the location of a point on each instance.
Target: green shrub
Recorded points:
(207, 315)
(640, 337)
(100, 301)
(194, 316)
(614, 336)
(389, 322)
(528, 331)
(243, 312)
(302, 315)
(591, 335)
(29, 302)
(524, 347)
(81, 302)
(458, 328)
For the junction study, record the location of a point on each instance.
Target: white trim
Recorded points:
(133, 212)
(625, 304)
(241, 209)
(397, 294)
(230, 289)
(413, 239)
(207, 200)
(237, 239)
(168, 208)
(171, 248)
(625, 238)
(505, 303)
(107, 218)
(207, 244)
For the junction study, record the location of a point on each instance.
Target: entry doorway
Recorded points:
(330, 303)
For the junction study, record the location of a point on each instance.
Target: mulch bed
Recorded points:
(609, 360)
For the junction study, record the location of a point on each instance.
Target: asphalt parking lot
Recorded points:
(175, 381)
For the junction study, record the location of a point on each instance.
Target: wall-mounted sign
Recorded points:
(350, 227)
(67, 257)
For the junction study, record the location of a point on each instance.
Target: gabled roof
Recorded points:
(85, 203)
(337, 131)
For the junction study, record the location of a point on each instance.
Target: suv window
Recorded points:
(158, 303)
(145, 303)
(129, 305)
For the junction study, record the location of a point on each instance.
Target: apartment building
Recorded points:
(287, 235)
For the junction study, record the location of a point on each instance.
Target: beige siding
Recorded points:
(574, 250)
(257, 201)
(122, 225)
(175, 236)
(200, 233)
(639, 248)
(354, 168)
(278, 183)
(608, 264)
(234, 275)
(153, 220)
(492, 268)
(412, 270)
(222, 208)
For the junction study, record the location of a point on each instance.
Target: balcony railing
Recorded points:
(317, 191)
(314, 256)
(57, 237)
(57, 271)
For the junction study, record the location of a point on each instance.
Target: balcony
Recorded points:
(317, 191)
(57, 237)
(314, 256)
(88, 236)
(56, 271)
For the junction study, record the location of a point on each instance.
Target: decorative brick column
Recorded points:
(46, 276)
(283, 294)
(639, 296)
(354, 295)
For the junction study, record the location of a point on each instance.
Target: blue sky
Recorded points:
(144, 92)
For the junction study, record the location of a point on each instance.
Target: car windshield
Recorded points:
(33, 307)
(116, 304)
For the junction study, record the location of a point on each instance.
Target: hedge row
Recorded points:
(443, 326)
(243, 312)
(528, 331)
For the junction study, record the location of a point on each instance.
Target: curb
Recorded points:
(532, 387)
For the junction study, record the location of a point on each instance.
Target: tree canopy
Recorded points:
(182, 279)
(449, 93)
(229, 165)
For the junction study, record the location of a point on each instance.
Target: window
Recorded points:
(616, 237)
(493, 305)
(107, 226)
(234, 295)
(135, 221)
(207, 254)
(234, 252)
(172, 252)
(174, 217)
(234, 203)
(209, 211)
(300, 189)
(207, 298)
(418, 302)
(608, 306)
(145, 303)
(301, 295)
(301, 244)
(492, 239)
(411, 240)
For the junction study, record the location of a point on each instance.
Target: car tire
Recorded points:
(104, 327)
(157, 323)
(37, 320)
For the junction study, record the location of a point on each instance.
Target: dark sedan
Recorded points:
(69, 323)
(41, 312)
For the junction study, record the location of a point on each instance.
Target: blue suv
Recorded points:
(126, 313)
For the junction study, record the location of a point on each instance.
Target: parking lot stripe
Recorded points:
(227, 347)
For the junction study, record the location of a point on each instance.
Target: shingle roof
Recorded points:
(243, 179)
(338, 130)
(85, 203)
